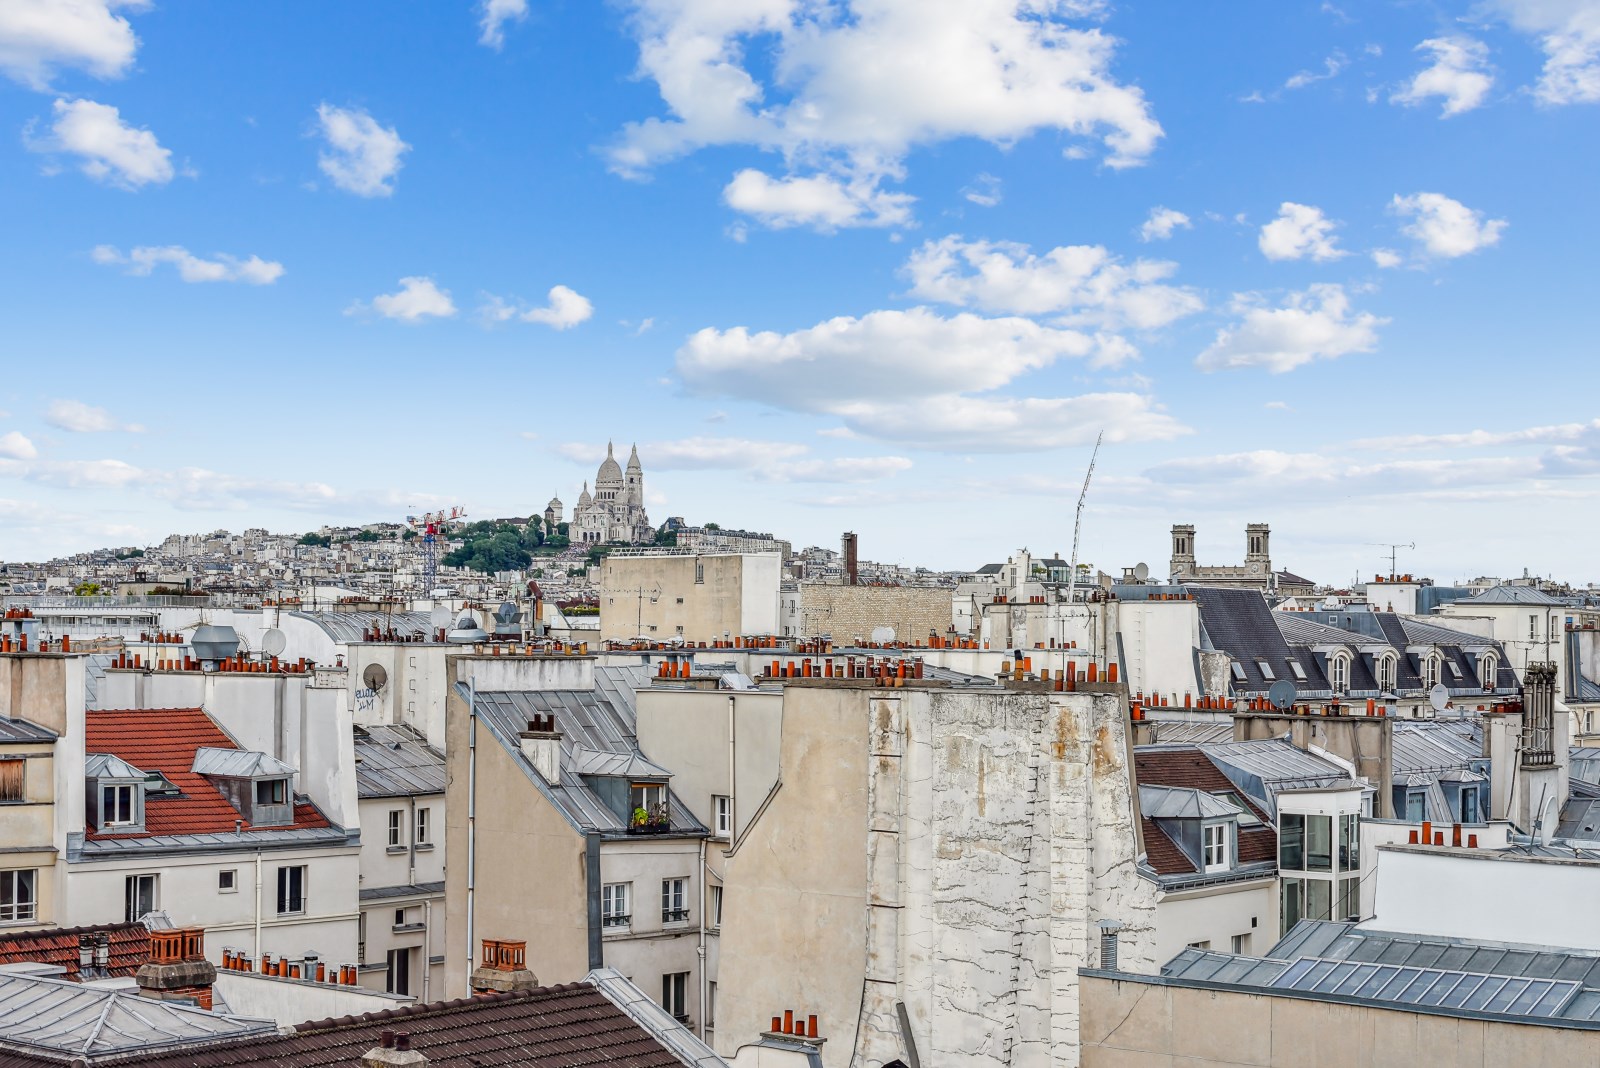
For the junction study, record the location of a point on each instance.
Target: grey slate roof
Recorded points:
(346, 627)
(59, 1020)
(1504, 594)
(1263, 767)
(396, 761)
(20, 730)
(602, 719)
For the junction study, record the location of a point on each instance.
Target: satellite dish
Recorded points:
(375, 677)
(440, 616)
(883, 635)
(273, 642)
(1282, 694)
(1141, 571)
(1438, 697)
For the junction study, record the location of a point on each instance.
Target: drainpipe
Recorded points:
(258, 908)
(411, 836)
(733, 771)
(427, 949)
(705, 896)
(472, 814)
(591, 868)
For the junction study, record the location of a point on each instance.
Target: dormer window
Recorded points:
(1386, 673)
(272, 792)
(1430, 671)
(1339, 672)
(1488, 670)
(257, 785)
(1216, 853)
(115, 795)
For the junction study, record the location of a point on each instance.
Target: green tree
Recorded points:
(314, 538)
(368, 535)
(86, 589)
(666, 537)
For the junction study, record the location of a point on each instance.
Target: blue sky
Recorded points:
(830, 264)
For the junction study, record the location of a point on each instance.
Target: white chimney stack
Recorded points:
(541, 744)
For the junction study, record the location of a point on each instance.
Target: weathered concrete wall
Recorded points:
(1130, 1022)
(852, 612)
(967, 847)
(696, 598)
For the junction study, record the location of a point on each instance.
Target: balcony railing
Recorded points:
(614, 920)
(674, 915)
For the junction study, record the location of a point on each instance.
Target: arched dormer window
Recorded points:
(1339, 672)
(1430, 671)
(1488, 671)
(1387, 665)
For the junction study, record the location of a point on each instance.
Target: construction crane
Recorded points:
(1077, 522)
(429, 524)
(1394, 548)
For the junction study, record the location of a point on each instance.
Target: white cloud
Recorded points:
(81, 418)
(984, 191)
(909, 376)
(1559, 433)
(15, 446)
(191, 268)
(362, 157)
(1162, 222)
(566, 309)
(1314, 324)
(912, 353)
(1085, 284)
(38, 37)
(187, 487)
(1444, 227)
(1459, 74)
(845, 91)
(1299, 231)
(1330, 69)
(1013, 424)
(493, 16)
(417, 299)
(1278, 406)
(1385, 258)
(1568, 31)
(822, 201)
(112, 151)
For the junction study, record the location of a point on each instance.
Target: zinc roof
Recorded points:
(1168, 802)
(396, 761)
(347, 627)
(20, 730)
(57, 1020)
(237, 763)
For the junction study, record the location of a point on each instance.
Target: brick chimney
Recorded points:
(393, 1051)
(177, 969)
(541, 744)
(503, 968)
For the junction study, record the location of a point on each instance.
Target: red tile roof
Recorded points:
(1189, 768)
(165, 740)
(1162, 853)
(571, 1026)
(129, 944)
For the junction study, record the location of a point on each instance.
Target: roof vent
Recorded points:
(212, 644)
(466, 631)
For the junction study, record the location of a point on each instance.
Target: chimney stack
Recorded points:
(504, 967)
(541, 744)
(1108, 944)
(393, 1051)
(848, 547)
(177, 969)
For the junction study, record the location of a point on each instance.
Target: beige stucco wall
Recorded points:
(1132, 1024)
(1215, 915)
(530, 875)
(849, 613)
(947, 850)
(737, 594)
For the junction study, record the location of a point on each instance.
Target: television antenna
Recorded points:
(1394, 548)
(1077, 521)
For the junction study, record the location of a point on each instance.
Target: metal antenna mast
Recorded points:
(1077, 522)
(1394, 548)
